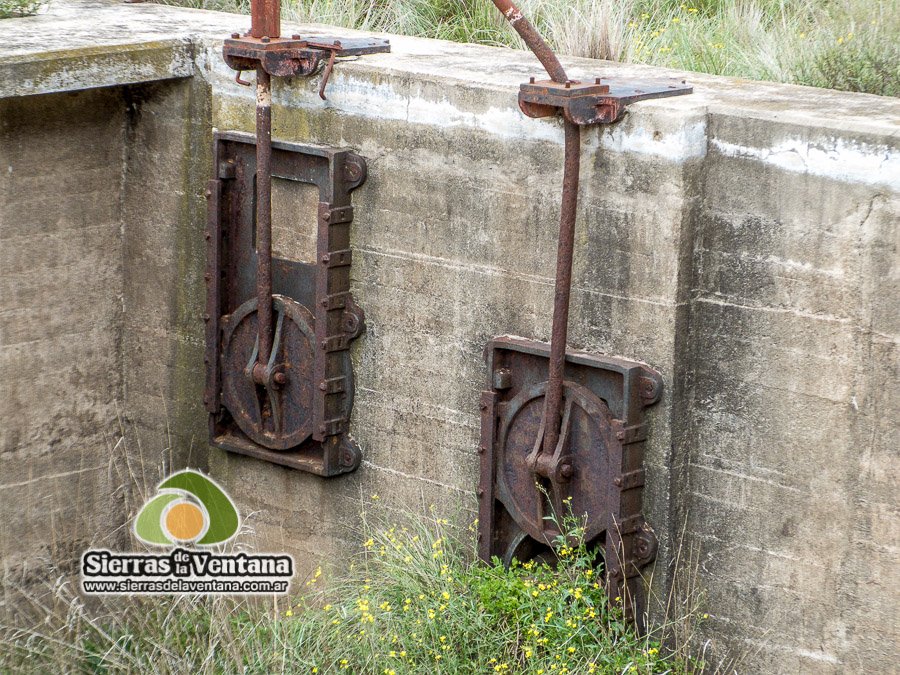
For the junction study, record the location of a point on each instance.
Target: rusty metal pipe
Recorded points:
(566, 246)
(533, 39)
(564, 255)
(265, 18)
(264, 214)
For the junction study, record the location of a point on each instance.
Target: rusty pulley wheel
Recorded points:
(275, 410)
(576, 471)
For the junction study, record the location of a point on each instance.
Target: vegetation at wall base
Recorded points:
(13, 8)
(852, 45)
(413, 601)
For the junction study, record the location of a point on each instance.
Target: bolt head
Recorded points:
(265, 39)
(235, 36)
(566, 471)
(280, 378)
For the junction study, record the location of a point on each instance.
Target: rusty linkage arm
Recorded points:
(566, 246)
(580, 104)
(264, 50)
(533, 39)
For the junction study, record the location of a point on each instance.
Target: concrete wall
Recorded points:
(741, 240)
(792, 487)
(60, 356)
(100, 201)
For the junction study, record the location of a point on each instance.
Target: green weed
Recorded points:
(413, 601)
(11, 8)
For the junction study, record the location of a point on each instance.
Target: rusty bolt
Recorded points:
(207, 276)
(207, 235)
(481, 492)
(566, 470)
(326, 258)
(206, 317)
(482, 449)
(295, 36)
(324, 302)
(569, 84)
(208, 193)
(620, 435)
(483, 406)
(530, 80)
(322, 386)
(235, 36)
(264, 39)
(322, 429)
(326, 216)
(617, 482)
(324, 344)
(280, 378)
(598, 80)
(205, 360)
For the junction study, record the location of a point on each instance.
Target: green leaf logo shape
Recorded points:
(150, 525)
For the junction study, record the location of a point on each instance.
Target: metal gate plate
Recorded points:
(598, 463)
(295, 410)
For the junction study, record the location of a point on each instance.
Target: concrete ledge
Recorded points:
(93, 67)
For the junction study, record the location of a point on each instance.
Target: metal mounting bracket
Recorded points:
(602, 101)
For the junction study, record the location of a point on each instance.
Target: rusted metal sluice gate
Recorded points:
(560, 430)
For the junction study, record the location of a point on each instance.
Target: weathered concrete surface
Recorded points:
(93, 402)
(741, 240)
(59, 349)
(792, 491)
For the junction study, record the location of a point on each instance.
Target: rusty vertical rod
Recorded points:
(264, 214)
(533, 39)
(564, 254)
(566, 246)
(265, 18)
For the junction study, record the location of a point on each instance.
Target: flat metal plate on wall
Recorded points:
(302, 421)
(596, 472)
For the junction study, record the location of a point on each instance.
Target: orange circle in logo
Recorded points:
(184, 521)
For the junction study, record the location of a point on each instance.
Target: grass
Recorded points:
(413, 601)
(853, 45)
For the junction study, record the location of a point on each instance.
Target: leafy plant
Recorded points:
(412, 601)
(11, 8)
